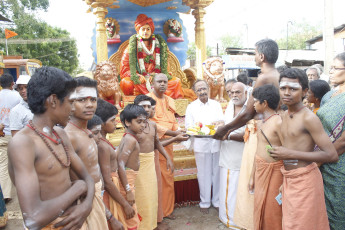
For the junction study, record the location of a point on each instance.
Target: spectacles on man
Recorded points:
(336, 68)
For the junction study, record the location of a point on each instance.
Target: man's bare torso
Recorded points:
(113, 154)
(54, 179)
(86, 149)
(133, 161)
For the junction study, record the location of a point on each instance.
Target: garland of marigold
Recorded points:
(133, 60)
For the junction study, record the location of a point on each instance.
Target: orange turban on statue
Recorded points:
(142, 20)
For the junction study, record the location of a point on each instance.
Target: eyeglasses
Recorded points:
(335, 68)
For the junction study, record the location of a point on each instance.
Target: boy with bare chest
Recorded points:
(134, 119)
(85, 104)
(303, 203)
(41, 157)
(107, 157)
(266, 175)
(146, 182)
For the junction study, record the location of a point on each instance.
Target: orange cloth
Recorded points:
(114, 207)
(142, 20)
(165, 120)
(57, 220)
(134, 222)
(303, 201)
(159, 185)
(268, 179)
(127, 86)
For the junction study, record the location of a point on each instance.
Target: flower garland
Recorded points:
(178, 30)
(136, 48)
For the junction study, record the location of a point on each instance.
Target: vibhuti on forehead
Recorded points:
(142, 103)
(83, 92)
(290, 84)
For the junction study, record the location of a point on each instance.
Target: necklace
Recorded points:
(269, 117)
(106, 141)
(291, 114)
(154, 49)
(42, 135)
(90, 135)
(131, 135)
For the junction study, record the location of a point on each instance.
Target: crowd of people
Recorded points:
(275, 162)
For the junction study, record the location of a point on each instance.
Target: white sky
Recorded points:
(264, 18)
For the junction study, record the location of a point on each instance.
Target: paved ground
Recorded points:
(187, 218)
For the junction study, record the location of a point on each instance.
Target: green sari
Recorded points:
(331, 113)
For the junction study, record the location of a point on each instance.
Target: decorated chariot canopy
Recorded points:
(121, 17)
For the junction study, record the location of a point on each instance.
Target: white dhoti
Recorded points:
(5, 180)
(208, 178)
(227, 196)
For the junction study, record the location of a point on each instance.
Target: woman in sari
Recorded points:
(332, 114)
(3, 213)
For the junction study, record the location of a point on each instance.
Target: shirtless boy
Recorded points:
(85, 103)
(266, 170)
(303, 203)
(134, 119)
(94, 125)
(107, 157)
(41, 156)
(147, 196)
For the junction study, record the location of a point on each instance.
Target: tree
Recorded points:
(191, 52)
(299, 33)
(228, 40)
(61, 53)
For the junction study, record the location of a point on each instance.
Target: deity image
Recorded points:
(146, 55)
(108, 87)
(214, 76)
(112, 30)
(173, 30)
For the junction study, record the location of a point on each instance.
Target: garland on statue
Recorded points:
(136, 48)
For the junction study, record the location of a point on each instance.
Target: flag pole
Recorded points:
(6, 48)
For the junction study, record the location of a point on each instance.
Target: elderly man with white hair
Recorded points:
(313, 73)
(231, 155)
(20, 115)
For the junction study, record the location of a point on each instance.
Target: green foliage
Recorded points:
(227, 40)
(191, 52)
(61, 54)
(299, 33)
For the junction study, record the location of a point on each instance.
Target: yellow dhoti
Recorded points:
(244, 210)
(97, 220)
(146, 195)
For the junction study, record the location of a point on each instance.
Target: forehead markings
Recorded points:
(290, 84)
(142, 103)
(84, 92)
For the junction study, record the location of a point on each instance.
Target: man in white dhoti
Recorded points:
(206, 150)
(231, 155)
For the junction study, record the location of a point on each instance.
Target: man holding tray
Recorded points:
(205, 111)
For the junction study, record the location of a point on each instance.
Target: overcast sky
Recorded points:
(264, 18)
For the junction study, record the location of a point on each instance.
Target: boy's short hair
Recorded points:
(45, 82)
(130, 112)
(140, 98)
(319, 88)
(269, 49)
(86, 82)
(95, 120)
(105, 110)
(6, 80)
(294, 73)
(268, 93)
(242, 77)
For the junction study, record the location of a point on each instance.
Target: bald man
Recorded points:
(231, 154)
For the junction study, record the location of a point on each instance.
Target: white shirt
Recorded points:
(206, 113)
(8, 99)
(20, 116)
(231, 151)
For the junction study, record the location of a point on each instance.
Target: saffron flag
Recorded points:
(9, 33)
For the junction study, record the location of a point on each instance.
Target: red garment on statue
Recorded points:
(129, 88)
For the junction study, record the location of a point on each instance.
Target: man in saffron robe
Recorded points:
(146, 55)
(166, 126)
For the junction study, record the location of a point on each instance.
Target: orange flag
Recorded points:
(9, 33)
